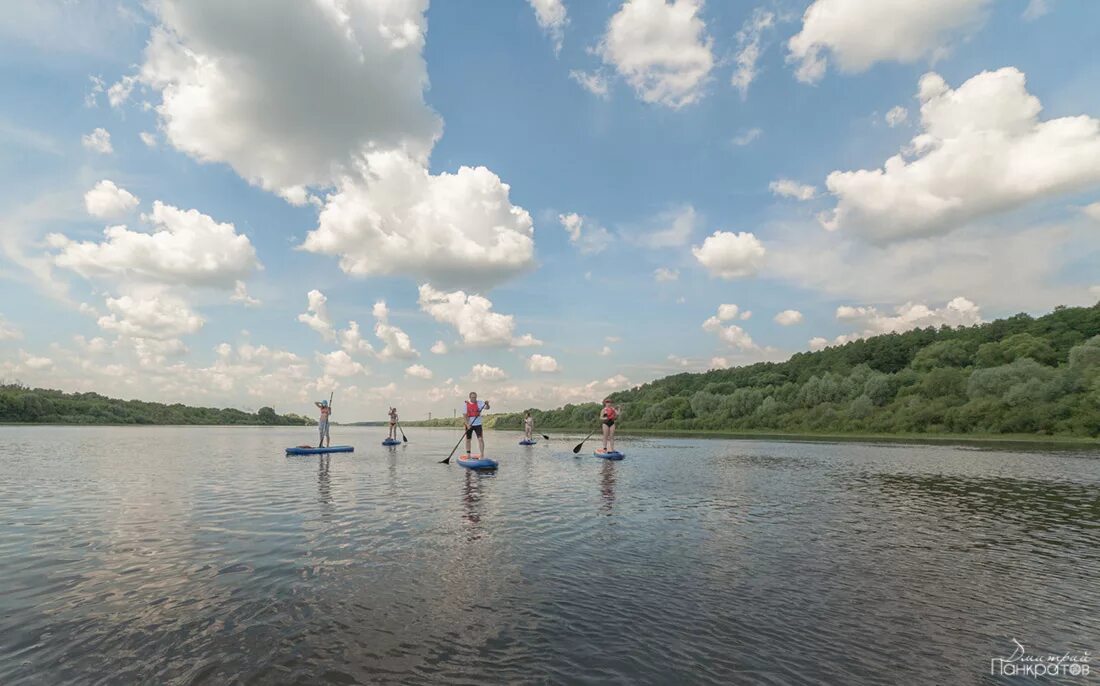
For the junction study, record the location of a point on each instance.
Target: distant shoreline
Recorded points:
(1030, 439)
(944, 439)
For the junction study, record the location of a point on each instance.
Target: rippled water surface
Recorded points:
(205, 555)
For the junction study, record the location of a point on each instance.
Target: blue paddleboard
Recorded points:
(609, 454)
(299, 450)
(527, 442)
(391, 441)
(477, 462)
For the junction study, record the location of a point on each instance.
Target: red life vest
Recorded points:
(472, 409)
(610, 413)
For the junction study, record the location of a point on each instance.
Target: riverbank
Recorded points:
(946, 439)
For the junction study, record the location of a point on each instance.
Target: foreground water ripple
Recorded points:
(204, 555)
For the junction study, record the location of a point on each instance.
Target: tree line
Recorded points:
(19, 403)
(1019, 375)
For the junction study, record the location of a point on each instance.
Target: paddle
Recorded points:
(545, 436)
(578, 448)
(402, 433)
(448, 460)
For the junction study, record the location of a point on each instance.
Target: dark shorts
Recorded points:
(609, 422)
(475, 429)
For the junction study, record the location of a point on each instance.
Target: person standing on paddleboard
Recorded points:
(474, 407)
(322, 423)
(528, 426)
(608, 415)
(393, 423)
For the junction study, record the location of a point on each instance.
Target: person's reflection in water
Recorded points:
(471, 504)
(607, 486)
(324, 484)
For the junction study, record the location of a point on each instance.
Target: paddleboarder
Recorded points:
(393, 423)
(528, 426)
(322, 422)
(608, 415)
(474, 408)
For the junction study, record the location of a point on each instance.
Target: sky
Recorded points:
(231, 203)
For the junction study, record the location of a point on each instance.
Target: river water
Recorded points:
(205, 555)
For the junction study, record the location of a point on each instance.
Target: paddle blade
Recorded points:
(545, 436)
(578, 448)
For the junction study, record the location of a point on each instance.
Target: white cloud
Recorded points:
(732, 335)
(728, 311)
(973, 260)
(452, 229)
(788, 318)
(351, 340)
(107, 201)
(151, 313)
(897, 116)
(99, 141)
(818, 343)
(745, 137)
(1036, 9)
(589, 237)
(484, 372)
(748, 49)
(671, 229)
(871, 322)
(792, 189)
(661, 49)
(316, 315)
(418, 371)
(679, 361)
(94, 346)
(186, 247)
(119, 93)
(229, 93)
(552, 18)
(34, 362)
(439, 348)
(859, 33)
(338, 364)
(664, 274)
(472, 317)
(526, 341)
(397, 342)
(605, 351)
(990, 122)
(8, 332)
(1092, 211)
(593, 82)
(730, 255)
(719, 363)
(91, 98)
(149, 139)
(240, 295)
(542, 363)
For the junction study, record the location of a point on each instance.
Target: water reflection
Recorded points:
(607, 487)
(324, 485)
(472, 506)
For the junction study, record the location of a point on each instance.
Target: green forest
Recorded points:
(39, 405)
(1020, 375)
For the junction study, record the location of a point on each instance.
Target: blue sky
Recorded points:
(571, 197)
